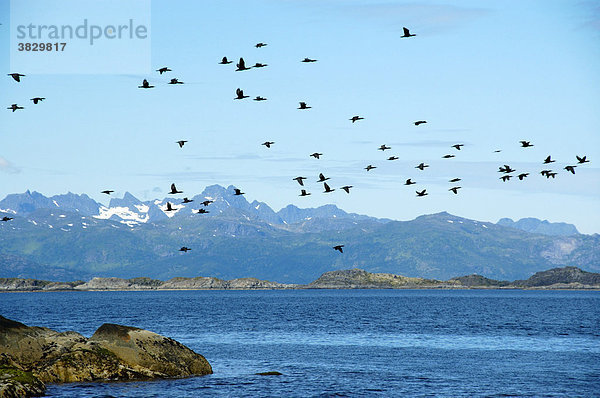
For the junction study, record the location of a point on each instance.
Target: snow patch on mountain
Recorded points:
(124, 213)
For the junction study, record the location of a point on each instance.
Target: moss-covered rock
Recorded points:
(115, 352)
(15, 382)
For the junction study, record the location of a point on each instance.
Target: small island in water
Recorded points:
(556, 278)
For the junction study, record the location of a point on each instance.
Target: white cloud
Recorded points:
(7, 167)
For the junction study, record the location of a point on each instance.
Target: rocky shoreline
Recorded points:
(566, 278)
(33, 356)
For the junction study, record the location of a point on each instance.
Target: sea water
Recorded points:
(353, 343)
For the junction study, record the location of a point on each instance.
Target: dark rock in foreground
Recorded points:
(37, 355)
(271, 373)
(15, 382)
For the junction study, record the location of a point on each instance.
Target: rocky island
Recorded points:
(556, 278)
(33, 356)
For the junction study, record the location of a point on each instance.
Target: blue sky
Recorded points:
(485, 74)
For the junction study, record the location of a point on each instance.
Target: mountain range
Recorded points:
(71, 236)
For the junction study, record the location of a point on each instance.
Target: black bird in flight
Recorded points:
(582, 160)
(570, 168)
(299, 179)
(186, 200)
(327, 188)
(241, 65)
(259, 45)
(421, 166)
(457, 146)
(418, 122)
(548, 175)
(454, 189)
(169, 207)
(347, 188)
(316, 155)
(206, 202)
(181, 143)
(338, 248)
(505, 178)
(454, 180)
(304, 193)
(14, 107)
(16, 76)
(237, 192)
(370, 167)
(383, 147)
(304, 106)
(6, 218)
(175, 81)
(447, 156)
(498, 150)
(309, 60)
(407, 33)
(522, 176)
(545, 172)
(259, 65)
(355, 118)
(525, 144)
(240, 94)
(548, 160)
(37, 99)
(184, 249)
(505, 169)
(268, 143)
(409, 182)
(174, 190)
(225, 61)
(163, 70)
(422, 193)
(202, 211)
(108, 191)
(393, 158)
(259, 98)
(322, 178)
(145, 84)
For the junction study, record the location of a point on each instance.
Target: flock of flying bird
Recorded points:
(506, 170)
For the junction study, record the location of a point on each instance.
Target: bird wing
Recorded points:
(406, 31)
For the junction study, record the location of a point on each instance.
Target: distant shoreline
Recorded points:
(592, 288)
(567, 278)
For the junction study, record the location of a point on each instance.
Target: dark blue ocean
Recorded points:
(354, 343)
